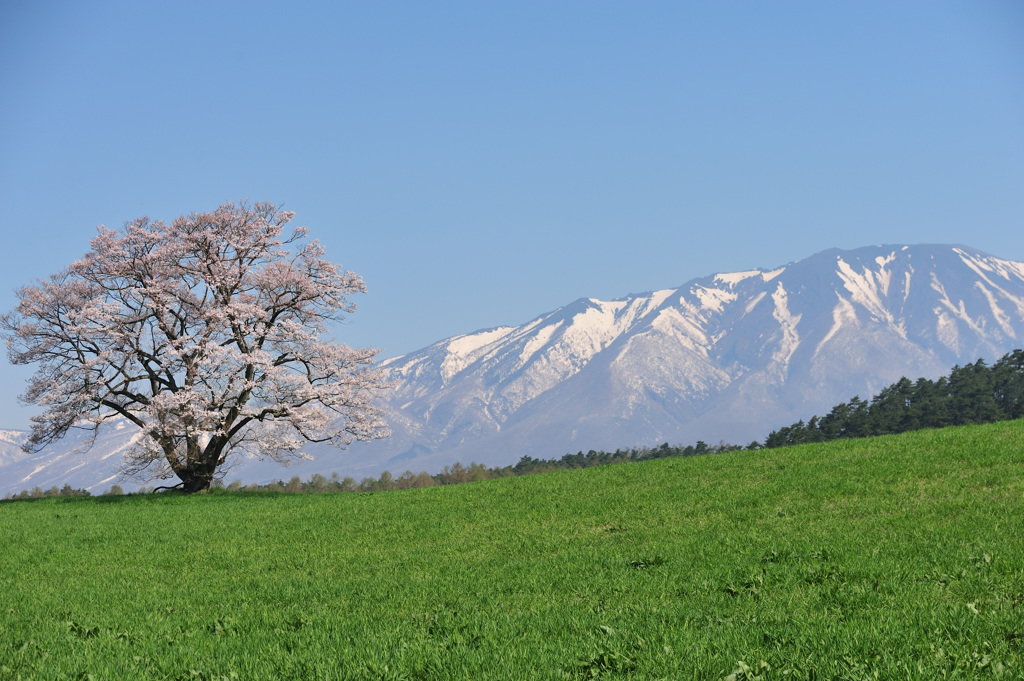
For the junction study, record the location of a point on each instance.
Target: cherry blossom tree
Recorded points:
(210, 334)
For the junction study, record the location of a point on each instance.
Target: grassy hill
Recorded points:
(894, 557)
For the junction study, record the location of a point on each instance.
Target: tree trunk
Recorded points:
(197, 474)
(193, 481)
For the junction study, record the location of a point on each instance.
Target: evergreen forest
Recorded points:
(971, 394)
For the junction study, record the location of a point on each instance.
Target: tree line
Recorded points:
(453, 474)
(971, 394)
(458, 473)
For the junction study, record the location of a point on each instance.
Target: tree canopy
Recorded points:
(210, 334)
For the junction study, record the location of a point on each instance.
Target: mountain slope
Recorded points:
(724, 357)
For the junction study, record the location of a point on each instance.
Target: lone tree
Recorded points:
(210, 334)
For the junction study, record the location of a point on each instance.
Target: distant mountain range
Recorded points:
(724, 357)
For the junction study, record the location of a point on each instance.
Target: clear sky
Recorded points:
(482, 163)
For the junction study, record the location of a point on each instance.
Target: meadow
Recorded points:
(893, 557)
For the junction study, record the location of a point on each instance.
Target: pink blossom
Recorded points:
(208, 333)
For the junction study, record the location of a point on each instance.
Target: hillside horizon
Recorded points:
(726, 357)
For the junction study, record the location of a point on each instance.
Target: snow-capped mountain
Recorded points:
(724, 357)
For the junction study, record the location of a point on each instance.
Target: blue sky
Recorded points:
(482, 163)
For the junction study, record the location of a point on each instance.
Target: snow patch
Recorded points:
(538, 341)
(952, 313)
(946, 330)
(733, 278)
(1010, 268)
(591, 330)
(126, 446)
(34, 471)
(787, 321)
(102, 483)
(461, 349)
(998, 314)
(843, 314)
(659, 297)
(884, 275)
(609, 305)
(768, 276)
(464, 345)
(713, 299)
(1003, 268)
(681, 328)
(753, 303)
(866, 290)
(882, 261)
(1006, 269)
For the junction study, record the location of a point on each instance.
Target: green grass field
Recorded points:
(896, 557)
